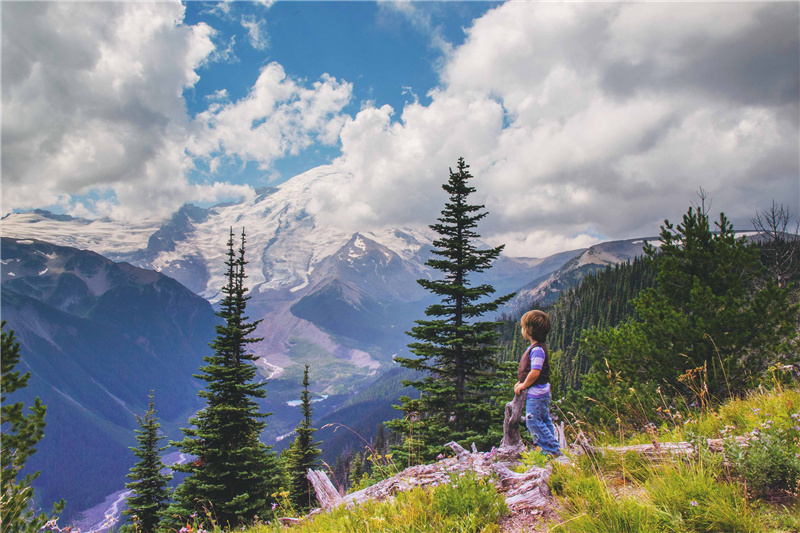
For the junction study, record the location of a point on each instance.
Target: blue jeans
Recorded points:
(538, 422)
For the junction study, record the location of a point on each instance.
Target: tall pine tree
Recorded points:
(454, 350)
(21, 433)
(150, 495)
(234, 472)
(303, 454)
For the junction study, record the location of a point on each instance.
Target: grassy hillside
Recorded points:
(751, 488)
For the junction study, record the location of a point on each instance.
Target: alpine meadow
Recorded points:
(400, 266)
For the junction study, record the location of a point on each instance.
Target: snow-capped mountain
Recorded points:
(285, 243)
(308, 280)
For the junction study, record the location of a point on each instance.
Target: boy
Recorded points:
(534, 375)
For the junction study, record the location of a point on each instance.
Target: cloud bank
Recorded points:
(581, 121)
(93, 105)
(588, 121)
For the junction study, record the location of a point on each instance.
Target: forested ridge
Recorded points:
(601, 299)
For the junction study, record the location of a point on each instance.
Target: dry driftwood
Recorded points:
(523, 491)
(512, 446)
(528, 490)
(327, 495)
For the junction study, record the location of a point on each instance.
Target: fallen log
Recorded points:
(523, 491)
(659, 449)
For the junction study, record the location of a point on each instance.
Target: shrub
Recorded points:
(531, 458)
(770, 464)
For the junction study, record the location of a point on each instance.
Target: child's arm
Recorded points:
(533, 375)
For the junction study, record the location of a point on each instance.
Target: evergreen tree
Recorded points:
(303, 454)
(379, 444)
(454, 350)
(356, 470)
(150, 493)
(705, 330)
(21, 433)
(234, 472)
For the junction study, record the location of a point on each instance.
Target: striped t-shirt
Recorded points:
(538, 355)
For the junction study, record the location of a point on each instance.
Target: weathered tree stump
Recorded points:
(512, 446)
(528, 490)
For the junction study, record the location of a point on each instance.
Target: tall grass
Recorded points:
(610, 492)
(468, 504)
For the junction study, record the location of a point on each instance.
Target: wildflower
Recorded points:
(694, 503)
(440, 457)
(797, 428)
(274, 505)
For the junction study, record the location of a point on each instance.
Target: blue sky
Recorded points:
(384, 51)
(581, 121)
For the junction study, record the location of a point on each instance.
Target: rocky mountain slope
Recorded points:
(546, 288)
(97, 336)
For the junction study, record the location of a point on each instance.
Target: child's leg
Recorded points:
(548, 424)
(540, 425)
(530, 415)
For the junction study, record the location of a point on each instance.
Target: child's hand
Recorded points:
(518, 388)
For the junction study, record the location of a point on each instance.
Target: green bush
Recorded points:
(770, 464)
(531, 458)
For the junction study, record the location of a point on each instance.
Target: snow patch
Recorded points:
(295, 403)
(272, 371)
(26, 241)
(115, 398)
(281, 437)
(43, 272)
(301, 286)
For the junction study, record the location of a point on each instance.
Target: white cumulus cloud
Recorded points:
(95, 120)
(585, 121)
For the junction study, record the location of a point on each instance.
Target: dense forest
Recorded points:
(602, 299)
